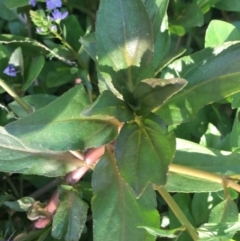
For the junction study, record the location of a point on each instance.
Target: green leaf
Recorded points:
(201, 206)
(233, 5)
(6, 13)
(190, 184)
(164, 233)
(206, 5)
(16, 59)
(59, 126)
(70, 217)
(211, 138)
(17, 158)
(33, 70)
(72, 37)
(89, 45)
(183, 200)
(115, 206)
(157, 11)
(234, 136)
(109, 105)
(218, 231)
(226, 211)
(16, 3)
(187, 15)
(219, 32)
(21, 205)
(58, 74)
(212, 74)
(34, 101)
(124, 44)
(31, 47)
(221, 162)
(143, 152)
(154, 92)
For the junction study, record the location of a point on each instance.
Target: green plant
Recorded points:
(99, 127)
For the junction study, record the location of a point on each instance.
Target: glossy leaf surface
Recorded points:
(115, 206)
(212, 74)
(143, 152)
(59, 126)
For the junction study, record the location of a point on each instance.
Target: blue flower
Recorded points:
(10, 71)
(52, 4)
(58, 16)
(32, 2)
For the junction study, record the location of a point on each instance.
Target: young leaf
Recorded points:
(115, 206)
(154, 92)
(109, 105)
(219, 32)
(71, 215)
(17, 158)
(143, 152)
(205, 84)
(59, 126)
(124, 44)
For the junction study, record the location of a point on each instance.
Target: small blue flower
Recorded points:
(32, 2)
(52, 4)
(58, 16)
(10, 71)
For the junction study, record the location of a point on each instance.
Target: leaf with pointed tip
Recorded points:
(124, 44)
(212, 74)
(59, 126)
(143, 152)
(153, 93)
(70, 217)
(17, 158)
(108, 104)
(115, 206)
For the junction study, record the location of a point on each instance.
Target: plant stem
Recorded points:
(15, 96)
(80, 62)
(213, 177)
(177, 211)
